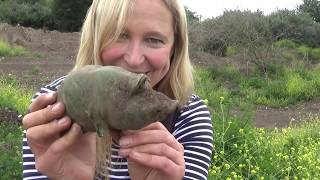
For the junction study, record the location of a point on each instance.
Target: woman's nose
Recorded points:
(134, 55)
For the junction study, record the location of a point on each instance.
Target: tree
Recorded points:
(192, 16)
(69, 15)
(311, 7)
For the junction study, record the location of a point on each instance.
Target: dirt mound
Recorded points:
(50, 54)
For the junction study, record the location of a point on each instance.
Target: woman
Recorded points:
(141, 36)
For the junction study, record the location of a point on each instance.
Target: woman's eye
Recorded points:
(154, 41)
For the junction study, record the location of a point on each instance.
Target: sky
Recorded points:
(214, 8)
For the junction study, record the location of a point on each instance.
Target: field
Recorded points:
(264, 128)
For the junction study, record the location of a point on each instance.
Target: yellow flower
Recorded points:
(206, 102)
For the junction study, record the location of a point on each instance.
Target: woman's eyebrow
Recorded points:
(161, 35)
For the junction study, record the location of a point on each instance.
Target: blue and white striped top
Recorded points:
(192, 128)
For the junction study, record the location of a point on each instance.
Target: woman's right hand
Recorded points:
(60, 148)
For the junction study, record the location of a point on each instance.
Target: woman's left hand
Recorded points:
(153, 153)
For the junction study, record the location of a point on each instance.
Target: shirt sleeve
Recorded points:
(29, 170)
(194, 131)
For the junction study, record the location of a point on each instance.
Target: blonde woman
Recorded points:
(141, 36)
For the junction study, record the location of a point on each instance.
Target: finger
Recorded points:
(43, 101)
(66, 141)
(43, 116)
(161, 163)
(46, 133)
(152, 126)
(150, 137)
(156, 149)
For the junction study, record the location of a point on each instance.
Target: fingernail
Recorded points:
(124, 152)
(75, 127)
(56, 107)
(124, 141)
(62, 121)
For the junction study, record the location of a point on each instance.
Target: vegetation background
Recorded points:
(243, 61)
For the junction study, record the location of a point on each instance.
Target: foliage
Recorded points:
(48, 14)
(192, 16)
(285, 43)
(33, 13)
(231, 51)
(7, 50)
(69, 15)
(311, 7)
(296, 26)
(240, 150)
(315, 54)
(244, 152)
(280, 88)
(256, 153)
(13, 97)
(10, 150)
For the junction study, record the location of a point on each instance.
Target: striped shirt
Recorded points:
(192, 128)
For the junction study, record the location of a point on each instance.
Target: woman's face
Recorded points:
(146, 44)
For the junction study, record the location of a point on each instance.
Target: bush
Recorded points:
(300, 27)
(285, 43)
(12, 96)
(26, 13)
(7, 50)
(49, 14)
(245, 152)
(315, 54)
(69, 15)
(304, 50)
(231, 51)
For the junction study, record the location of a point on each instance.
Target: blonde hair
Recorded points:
(106, 20)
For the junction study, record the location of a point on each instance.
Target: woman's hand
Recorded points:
(153, 153)
(61, 150)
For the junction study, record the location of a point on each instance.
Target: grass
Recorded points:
(12, 96)
(242, 151)
(7, 50)
(10, 150)
(18, 99)
(282, 87)
(245, 152)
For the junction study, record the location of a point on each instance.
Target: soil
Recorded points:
(51, 54)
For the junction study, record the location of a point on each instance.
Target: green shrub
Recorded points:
(304, 50)
(285, 43)
(231, 51)
(12, 96)
(4, 49)
(26, 13)
(295, 85)
(207, 88)
(244, 152)
(10, 150)
(315, 54)
(297, 26)
(69, 15)
(7, 50)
